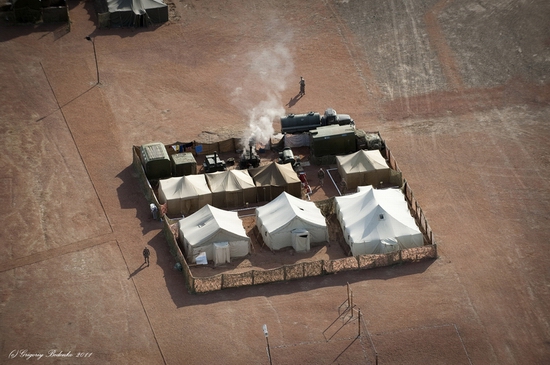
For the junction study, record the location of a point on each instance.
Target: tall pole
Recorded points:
(267, 341)
(95, 58)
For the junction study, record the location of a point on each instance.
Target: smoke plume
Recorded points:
(260, 98)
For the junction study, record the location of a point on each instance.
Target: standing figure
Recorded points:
(154, 211)
(302, 86)
(146, 255)
(321, 176)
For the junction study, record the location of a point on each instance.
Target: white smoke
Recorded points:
(260, 97)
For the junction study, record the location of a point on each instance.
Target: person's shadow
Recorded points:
(136, 271)
(294, 100)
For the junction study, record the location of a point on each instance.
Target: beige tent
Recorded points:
(231, 189)
(273, 179)
(364, 168)
(184, 195)
(218, 233)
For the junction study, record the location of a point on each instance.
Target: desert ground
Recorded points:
(460, 90)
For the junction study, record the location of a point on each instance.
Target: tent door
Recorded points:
(222, 253)
(300, 240)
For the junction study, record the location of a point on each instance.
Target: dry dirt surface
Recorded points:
(460, 90)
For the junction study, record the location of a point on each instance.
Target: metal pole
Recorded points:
(268, 351)
(359, 324)
(95, 58)
(267, 341)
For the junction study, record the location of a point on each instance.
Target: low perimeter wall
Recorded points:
(289, 272)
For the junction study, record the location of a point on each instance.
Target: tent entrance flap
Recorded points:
(300, 240)
(221, 253)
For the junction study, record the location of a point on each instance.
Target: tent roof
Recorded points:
(376, 214)
(136, 6)
(209, 222)
(184, 186)
(285, 208)
(231, 180)
(274, 174)
(361, 161)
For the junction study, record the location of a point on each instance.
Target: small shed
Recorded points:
(333, 140)
(183, 164)
(156, 161)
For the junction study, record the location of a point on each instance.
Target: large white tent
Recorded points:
(287, 216)
(218, 233)
(231, 188)
(366, 168)
(184, 195)
(131, 13)
(377, 221)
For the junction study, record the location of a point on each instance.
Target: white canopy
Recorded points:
(278, 219)
(184, 195)
(377, 221)
(208, 229)
(231, 188)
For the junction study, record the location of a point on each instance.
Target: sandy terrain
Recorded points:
(459, 89)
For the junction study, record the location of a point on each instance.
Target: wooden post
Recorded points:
(351, 307)
(349, 301)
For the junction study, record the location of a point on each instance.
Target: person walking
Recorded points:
(302, 86)
(146, 254)
(321, 176)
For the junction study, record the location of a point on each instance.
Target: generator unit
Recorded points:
(213, 163)
(183, 164)
(156, 161)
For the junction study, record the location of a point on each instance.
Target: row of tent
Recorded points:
(234, 188)
(227, 189)
(373, 221)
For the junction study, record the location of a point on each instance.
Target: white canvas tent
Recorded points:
(366, 168)
(184, 195)
(131, 13)
(377, 221)
(218, 233)
(278, 219)
(231, 188)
